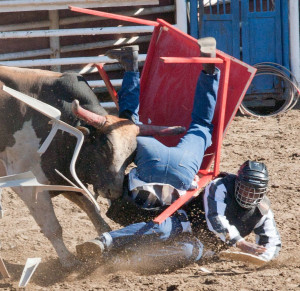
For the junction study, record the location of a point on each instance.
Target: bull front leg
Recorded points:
(88, 207)
(41, 208)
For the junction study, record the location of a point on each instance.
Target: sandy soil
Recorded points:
(274, 141)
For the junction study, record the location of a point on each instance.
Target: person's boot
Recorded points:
(127, 57)
(91, 249)
(208, 50)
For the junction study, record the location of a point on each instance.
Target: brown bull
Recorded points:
(107, 150)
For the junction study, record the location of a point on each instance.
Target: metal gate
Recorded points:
(253, 31)
(248, 30)
(262, 31)
(221, 20)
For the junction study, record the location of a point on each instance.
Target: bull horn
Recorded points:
(98, 121)
(146, 130)
(89, 117)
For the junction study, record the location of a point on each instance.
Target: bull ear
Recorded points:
(84, 130)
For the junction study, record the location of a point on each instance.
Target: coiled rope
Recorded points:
(291, 92)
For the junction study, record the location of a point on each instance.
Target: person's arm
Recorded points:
(268, 236)
(251, 248)
(267, 240)
(215, 206)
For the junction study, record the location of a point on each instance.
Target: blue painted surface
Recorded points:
(262, 41)
(222, 22)
(261, 34)
(285, 34)
(194, 24)
(253, 31)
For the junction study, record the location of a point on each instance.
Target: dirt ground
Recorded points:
(273, 140)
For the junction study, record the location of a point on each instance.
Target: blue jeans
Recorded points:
(157, 243)
(178, 165)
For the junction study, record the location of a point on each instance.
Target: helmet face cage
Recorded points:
(247, 195)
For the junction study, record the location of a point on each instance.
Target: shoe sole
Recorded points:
(119, 51)
(88, 250)
(207, 45)
(130, 48)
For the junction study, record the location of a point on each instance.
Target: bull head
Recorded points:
(121, 134)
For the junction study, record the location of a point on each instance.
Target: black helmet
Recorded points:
(251, 184)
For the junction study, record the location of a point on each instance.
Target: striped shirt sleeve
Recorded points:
(267, 235)
(215, 206)
(151, 195)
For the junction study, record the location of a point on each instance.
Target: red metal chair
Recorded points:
(168, 82)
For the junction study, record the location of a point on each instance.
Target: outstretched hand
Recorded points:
(251, 248)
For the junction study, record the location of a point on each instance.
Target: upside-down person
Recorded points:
(164, 173)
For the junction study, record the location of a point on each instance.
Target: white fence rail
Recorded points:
(72, 32)
(16, 31)
(34, 5)
(63, 61)
(76, 48)
(90, 18)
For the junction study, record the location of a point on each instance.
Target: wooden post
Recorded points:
(54, 40)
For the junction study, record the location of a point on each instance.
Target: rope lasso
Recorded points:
(291, 90)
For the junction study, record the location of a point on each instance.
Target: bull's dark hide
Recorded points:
(101, 162)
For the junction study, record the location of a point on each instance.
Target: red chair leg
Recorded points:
(111, 90)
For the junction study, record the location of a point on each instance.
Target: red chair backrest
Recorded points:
(167, 90)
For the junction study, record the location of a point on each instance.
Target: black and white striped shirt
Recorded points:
(151, 195)
(231, 223)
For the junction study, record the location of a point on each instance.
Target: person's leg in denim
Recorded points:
(139, 233)
(178, 165)
(129, 97)
(158, 257)
(171, 241)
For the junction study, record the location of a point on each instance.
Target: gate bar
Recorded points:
(220, 126)
(208, 176)
(183, 199)
(191, 60)
(111, 90)
(113, 16)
